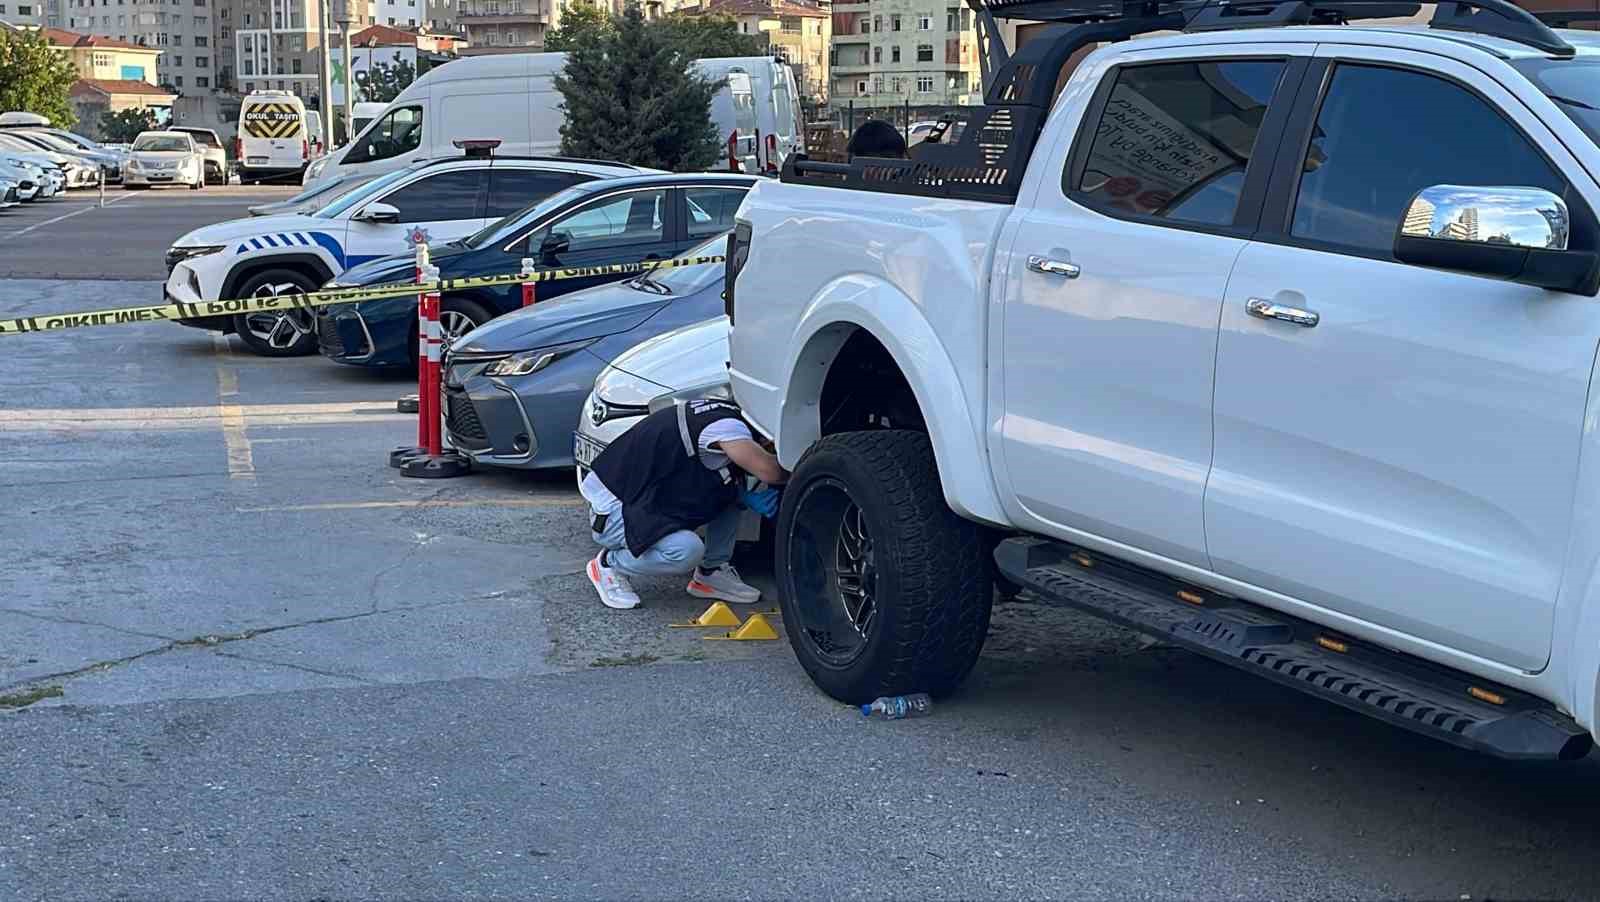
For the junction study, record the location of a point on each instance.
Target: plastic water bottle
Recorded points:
(896, 707)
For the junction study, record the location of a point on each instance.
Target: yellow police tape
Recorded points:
(176, 310)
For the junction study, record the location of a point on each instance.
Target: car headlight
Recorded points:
(134, 164)
(176, 255)
(316, 168)
(529, 362)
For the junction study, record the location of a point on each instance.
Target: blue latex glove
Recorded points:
(763, 501)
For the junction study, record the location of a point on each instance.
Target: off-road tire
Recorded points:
(933, 588)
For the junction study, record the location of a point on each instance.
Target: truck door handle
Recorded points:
(1267, 310)
(1053, 267)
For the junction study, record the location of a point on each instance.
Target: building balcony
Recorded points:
(851, 68)
(504, 14)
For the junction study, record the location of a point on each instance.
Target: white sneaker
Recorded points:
(612, 586)
(723, 583)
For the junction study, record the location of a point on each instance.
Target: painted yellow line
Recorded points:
(241, 461)
(551, 501)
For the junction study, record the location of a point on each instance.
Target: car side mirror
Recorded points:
(553, 244)
(377, 212)
(1516, 234)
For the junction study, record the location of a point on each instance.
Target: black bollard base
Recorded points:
(408, 404)
(400, 455)
(446, 466)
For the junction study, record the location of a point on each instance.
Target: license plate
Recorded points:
(256, 161)
(585, 450)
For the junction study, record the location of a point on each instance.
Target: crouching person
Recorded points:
(679, 469)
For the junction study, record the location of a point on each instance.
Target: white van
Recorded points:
(482, 97)
(273, 140)
(757, 110)
(362, 113)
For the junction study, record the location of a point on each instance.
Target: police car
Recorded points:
(431, 202)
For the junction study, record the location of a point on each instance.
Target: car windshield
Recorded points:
(161, 143)
(684, 280)
(504, 228)
(359, 195)
(1574, 85)
(205, 139)
(53, 142)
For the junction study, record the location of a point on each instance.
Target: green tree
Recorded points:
(704, 37)
(383, 82)
(631, 96)
(34, 78)
(582, 22)
(123, 126)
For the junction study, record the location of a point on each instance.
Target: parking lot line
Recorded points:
(257, 416)
(551, 501)
(241, 461)
(39, 225)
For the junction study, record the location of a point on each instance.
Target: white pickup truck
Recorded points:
(1271, 335)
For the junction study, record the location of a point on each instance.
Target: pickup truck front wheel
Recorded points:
(884, 590)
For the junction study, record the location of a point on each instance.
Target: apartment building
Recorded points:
(31, 13)
(795, 31)
(506, 26)
(890, 56)
(181, 31)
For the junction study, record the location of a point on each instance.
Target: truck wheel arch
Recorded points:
(896, 324)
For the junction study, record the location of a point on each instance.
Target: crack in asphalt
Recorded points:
(213, 640)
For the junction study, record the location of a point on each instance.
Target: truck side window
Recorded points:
(1175, 139)
(1384, 134)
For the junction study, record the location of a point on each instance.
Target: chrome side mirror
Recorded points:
(377, 212)
(1509, 217)
(1511, 233)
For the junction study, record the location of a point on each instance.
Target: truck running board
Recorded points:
(1400, 689)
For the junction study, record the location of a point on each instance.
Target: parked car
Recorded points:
(60, 169)
(514, 386)
(512, 97)
(1278, 343)
(8, 192)
(216, 155)
(686, 363)
(110, 159)
(81, 168)
(293, 253)
(311, 198)
(165, 158)
(32, 180)
(625, 220)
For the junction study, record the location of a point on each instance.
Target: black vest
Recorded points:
(655, 471)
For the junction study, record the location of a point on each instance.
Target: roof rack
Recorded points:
(987, 161)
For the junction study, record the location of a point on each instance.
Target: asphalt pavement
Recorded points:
(243, 658)
(71, 236)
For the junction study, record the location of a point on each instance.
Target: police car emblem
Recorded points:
(416, 235)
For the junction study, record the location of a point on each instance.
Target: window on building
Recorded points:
(3, 12)
(513, 37)
(877, 54)
(411, 22)
(956, 83)
(877, 86)
(248, 43)
(177, 61)
(861, 87)
(247, 20)
(100, 59)
(294, 65)
(249, 67)
(201, 81)
(952, 19)
(24, 10)
(899, 84)
(177, 40)
(177, 81)
(924, 84)
(280, 85)
(791, 24)
(894, 54)
(924, 53)
(391, 20)
(924, 23)
(201, 40)
(202, 62)
(894, 23)
(200, 21)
